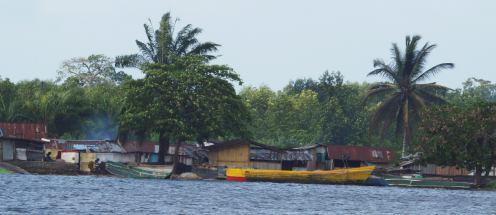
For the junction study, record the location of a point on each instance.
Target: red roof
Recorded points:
(32, 131)
(360, 153)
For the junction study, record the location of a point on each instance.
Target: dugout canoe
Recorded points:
(128, 171)
(339, 176)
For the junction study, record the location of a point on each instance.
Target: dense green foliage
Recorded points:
(186, 100)
(307, 111)
(404, 94)
(460, 135)
(69, 110)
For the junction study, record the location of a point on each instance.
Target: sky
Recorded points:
(266, 42)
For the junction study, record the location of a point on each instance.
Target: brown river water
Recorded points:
(35, 194)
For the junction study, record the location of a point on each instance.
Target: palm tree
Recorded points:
(403, 94)
(163, 46)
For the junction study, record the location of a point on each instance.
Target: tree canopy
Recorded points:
(460, 135)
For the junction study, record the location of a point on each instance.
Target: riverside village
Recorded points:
(25, 148)
(247, 107)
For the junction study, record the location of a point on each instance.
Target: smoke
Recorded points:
(100, 127)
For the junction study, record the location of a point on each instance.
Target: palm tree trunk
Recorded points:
(406, 129)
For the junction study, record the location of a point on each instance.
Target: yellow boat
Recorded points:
(339, 176)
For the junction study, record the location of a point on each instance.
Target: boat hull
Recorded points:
(339, 176)
(398, 182)
(126, 171)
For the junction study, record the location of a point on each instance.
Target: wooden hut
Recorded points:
(22, 141)
(249, 154)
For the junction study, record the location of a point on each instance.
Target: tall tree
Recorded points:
(403, 94)
(182, 101)
(163, 46)
(461, 135)
(90, 71)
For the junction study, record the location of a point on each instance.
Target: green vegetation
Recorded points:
(462, 133)
(490, 185)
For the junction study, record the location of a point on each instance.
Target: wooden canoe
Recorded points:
(339, 176)
(127, 171)
(426, 183)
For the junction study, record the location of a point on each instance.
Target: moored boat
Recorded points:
(426, 183)
(128, 171)
(339, 176)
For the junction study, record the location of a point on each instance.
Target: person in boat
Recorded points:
(91, 165)
(48, 157)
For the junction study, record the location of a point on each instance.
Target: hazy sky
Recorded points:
(266, 42)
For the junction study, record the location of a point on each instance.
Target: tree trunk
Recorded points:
(176, 157)
(406, 129)
(163, 148)
(478, 175)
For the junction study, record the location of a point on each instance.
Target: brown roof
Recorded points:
(137, 146)
(360, 153)
(33, 131)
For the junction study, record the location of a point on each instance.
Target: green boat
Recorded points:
(4, 171)
(144, 172)
(426, 183)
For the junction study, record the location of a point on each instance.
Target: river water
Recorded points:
(34, 194)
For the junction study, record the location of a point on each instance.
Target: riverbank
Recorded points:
(47, 168)
(6, 168)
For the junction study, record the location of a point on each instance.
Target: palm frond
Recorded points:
(384, 70)
(149, 35)
(203, 48)
(398, 59)
(145, 51)
(380, 89)
(433, 71)
(189, 40)
(409, 59)
(432, 87)
(385, 112)
(181, 36)
(429, 97)
(420, 59)
(124, 61)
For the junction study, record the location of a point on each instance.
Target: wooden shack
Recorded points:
(22, 141)
(250, 154)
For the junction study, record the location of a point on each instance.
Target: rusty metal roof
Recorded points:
(86, 145)
(137, 146)
(32, 131)
(360, 153)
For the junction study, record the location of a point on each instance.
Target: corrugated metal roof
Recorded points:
(137, 146)
(262, 152)
(188, 150)
(360, 153)
(87, 145)
(33, 131)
